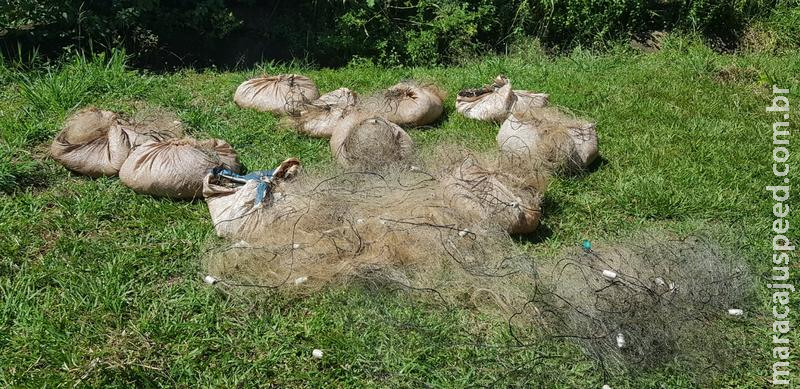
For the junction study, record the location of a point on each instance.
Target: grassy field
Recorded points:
(100, 286)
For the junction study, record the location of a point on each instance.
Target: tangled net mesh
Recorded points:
(393, 227)
(650, 300)
(157, 122)
(388, 226)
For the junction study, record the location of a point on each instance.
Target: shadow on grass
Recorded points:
(598, 163)
(549, 209)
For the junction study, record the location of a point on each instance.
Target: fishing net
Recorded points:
(443, 229)
(280, 94)
(493, 196)
(651, 300)
(550, 136)
(395, 225)
(636, 304)
(493, 103)
(341, 97)
(371, 143)
(490, 103)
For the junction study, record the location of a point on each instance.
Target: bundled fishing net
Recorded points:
(490, 103)
(176, 167)
(234, 201)
(281, 94)
(390, 229)
(547, 134)
(371, 143)
(96, 143)
(483, 195)
(332, 112)
(649, 301)
(494, 102)
(408, 103)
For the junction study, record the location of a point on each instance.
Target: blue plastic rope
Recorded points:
(263, 186)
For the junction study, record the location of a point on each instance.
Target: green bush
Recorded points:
(335, 32)
(141, 26)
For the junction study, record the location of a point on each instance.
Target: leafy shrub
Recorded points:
(141, 26)
(334, 32)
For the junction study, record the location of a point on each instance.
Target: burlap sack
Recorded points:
(96, 143)
(332, 112)
(279, 94)
(244, 207)
(492, 197)
(373, 142)
(491, 103)
(408, 104)
(550, 137)
(176, 168)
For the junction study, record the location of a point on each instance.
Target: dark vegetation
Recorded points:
(164, 34)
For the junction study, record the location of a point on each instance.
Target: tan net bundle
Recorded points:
(332, 112)
(371, 143)
(236, 202)
(281, 94)
(176, 168)
(494, 196)
(409, 103)
(547, 134)
(96, 143)
(341, 97)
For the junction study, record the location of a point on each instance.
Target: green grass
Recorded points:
(100, 286)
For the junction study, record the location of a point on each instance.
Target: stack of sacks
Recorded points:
(281, 94)
(96, 143)
(148, 156)
(493, 103)
(550, 136)
(238, 204)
